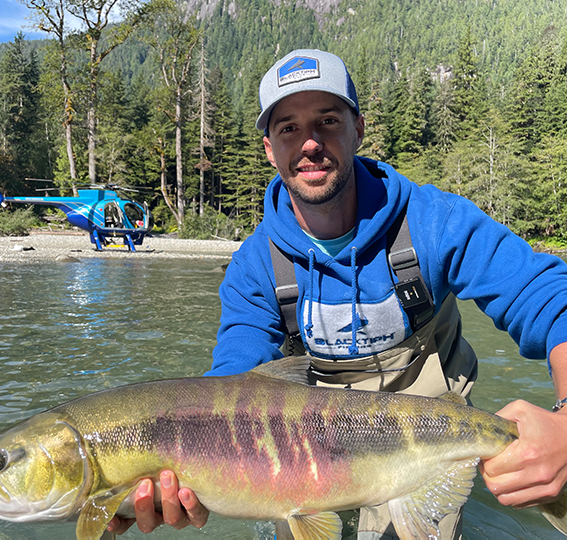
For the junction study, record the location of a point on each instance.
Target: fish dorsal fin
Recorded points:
(290, 368)
(556, 512)
(326, 525)
(97, 513)
(453, 397)
(418, 514)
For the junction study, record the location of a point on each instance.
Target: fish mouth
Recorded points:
(4, 495)
(13, 509)
(20, 509)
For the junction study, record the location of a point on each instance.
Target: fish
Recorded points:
(262, 445)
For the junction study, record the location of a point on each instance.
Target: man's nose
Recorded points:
(312, 144)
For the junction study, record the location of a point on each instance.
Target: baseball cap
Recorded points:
(303, 70)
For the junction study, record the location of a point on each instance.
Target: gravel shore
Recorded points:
(68, 247)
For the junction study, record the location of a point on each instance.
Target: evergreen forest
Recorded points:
(468, 95)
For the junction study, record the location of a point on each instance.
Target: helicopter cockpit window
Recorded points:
(134, 214)
(112, 215)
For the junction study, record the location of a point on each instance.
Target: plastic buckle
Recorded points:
(287, 294)
(402, 259)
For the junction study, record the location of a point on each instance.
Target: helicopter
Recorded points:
(100, 212)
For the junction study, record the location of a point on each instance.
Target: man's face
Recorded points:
(313, 140)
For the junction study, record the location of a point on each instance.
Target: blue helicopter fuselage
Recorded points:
(101, 213)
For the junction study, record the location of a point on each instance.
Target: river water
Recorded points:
(70, 329)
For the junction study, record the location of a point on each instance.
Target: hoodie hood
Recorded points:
(380, 189)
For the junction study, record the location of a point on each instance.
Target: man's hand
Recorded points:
(180, 508)
(533, 469)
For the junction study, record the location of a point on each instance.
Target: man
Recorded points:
(378, 262)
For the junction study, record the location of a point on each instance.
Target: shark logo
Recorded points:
(360, 323)
(299, 68)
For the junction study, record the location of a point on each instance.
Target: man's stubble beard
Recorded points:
(335, 188)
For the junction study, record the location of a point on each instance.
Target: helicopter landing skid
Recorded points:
(128, 243)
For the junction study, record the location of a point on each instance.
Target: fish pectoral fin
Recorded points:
(326, 525)
(556, 512)
(418, 514)
(97, 513)
(283, 532)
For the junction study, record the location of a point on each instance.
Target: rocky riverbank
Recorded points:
(76, 246)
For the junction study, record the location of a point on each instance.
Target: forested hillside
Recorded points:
(468, 95)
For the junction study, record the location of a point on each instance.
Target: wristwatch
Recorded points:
(559, 404)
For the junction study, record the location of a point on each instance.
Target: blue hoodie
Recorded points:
(347, 307)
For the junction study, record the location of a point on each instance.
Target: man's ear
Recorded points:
(269, 152)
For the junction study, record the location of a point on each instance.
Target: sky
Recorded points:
(13, 19)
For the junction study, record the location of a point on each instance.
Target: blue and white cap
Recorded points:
(304, 70)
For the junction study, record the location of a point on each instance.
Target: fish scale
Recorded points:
(262, 445)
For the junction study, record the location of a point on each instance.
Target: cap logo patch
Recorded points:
(299, 68)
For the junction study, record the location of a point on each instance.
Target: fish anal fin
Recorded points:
(453, 397)
(291, 368)
(556, 512)
(97, 512)
(418, 514)
(326, 525)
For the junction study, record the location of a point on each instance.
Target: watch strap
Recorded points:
(559, 404)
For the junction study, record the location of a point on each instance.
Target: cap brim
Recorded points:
(264, 117)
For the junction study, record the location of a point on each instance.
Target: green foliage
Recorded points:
(469, 96)
(17, 222)
(211, 225)
(23, 148)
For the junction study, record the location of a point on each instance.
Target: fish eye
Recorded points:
(3, 459)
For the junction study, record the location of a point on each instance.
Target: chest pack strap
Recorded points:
(287, 291)
(411, 288)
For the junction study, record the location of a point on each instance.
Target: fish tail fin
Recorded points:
(556, 512)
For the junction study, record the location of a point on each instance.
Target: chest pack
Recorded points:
(409, 286)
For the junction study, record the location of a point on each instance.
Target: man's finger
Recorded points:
(144, 508)
(120, 525)
(173, 513)
(197, 513)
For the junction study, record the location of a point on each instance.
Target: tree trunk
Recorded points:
(202, 155)
(68, 123)
(179, 161)
(163, 172)
(91, 113)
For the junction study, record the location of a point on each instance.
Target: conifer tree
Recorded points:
(468, 86)
(361, 78)
(50, 16)
(254, 171)
(225, 129)
(174, 38)
(20, 144)
(96, 18)
(115, 139)
(205, 129)
(375, 131)
(444, 119)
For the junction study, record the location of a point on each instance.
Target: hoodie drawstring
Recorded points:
(353, 349)
(309, 325)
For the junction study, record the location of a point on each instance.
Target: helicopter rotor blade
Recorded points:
(133, 189)
(39, 180)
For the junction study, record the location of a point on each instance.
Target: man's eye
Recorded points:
(330, 121)
(287, 129)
